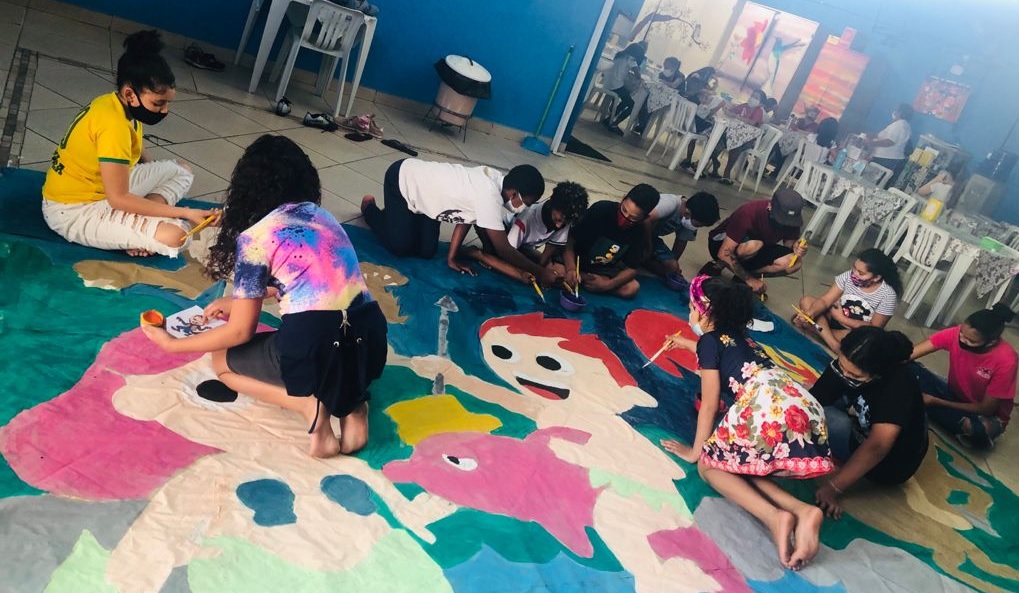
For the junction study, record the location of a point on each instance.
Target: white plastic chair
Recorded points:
(759, 154)
(678, 126)
(815, 183)
(600, 98)
(923, 247)
(328, 29)
(889, 224)
(877, 174)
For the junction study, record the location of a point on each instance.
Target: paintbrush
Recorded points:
(665, 346)
(801, 244)
(200, 226)
(537, 289)
(808, 319)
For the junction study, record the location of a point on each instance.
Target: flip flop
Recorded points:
(216, 391)
(396, 144)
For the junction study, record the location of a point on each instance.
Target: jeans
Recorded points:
(402, 232)
(983, 429)
(625, 105)
(840, 430)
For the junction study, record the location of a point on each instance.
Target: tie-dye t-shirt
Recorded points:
(302, 251)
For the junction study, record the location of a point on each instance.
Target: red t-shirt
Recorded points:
(976, 375)
(754, 115)
(752, 221)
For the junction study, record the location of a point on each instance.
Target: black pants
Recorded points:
(625, 105)
(402, 232)
(895, 165)
(762, 259)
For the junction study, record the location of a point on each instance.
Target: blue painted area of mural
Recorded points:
(488, 572)
(350, 493)
(271, 500)
(793, 583)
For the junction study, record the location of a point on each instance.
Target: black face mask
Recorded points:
(140, 113)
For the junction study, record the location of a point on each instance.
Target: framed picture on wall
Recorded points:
(943, 99)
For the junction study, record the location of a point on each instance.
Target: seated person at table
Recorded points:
(940, 186)
(102, 189)
(868, 294)
(976, 403)
(421, 195)
(750, 112)
(769, 106)
(609, 239)
(680, 215)
(708, 103)
(621, 78)
(874, 411)
(807, 123)
(671, 77)
(547, 224)
(759, 239)
(696, 82)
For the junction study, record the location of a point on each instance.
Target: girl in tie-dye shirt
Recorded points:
(278, 242)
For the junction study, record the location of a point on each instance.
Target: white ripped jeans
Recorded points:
(96, 224)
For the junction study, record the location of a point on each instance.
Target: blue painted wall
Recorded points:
(914, 39)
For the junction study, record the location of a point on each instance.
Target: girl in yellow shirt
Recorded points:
(101, 190)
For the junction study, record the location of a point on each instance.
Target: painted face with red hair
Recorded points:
(551, 359)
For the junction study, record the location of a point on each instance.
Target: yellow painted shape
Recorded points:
(420, 418)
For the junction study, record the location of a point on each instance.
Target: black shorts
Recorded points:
(314, 353)
(763, 258)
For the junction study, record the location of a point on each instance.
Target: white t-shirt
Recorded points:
(453, 193)
(528, 229)
(898, 132)
(704, 109)
(860, 305)
(669, 218)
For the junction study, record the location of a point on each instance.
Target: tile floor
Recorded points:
(214, 118)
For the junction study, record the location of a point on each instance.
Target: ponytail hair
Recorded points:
(876, 351)
(882, 265)
(730, 305)
(990, 323)
(141, 67)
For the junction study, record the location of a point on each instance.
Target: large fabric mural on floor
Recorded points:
(525, 460)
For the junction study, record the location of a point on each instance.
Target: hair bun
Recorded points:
(1002, 312)
(144, 43)
(900, 346)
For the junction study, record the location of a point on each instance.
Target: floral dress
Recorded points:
(771, 424)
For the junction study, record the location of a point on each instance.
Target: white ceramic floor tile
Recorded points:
(36, 149)
(12, 13)
(331, 145)
(348, 183)
(217, 118)
(177, 130)
(41, 23)
(51, 123)
(43, 98)
(344, 210)
(319, 161)
(218, 155)
(230, 84)
(72, 12)
(375, 167)
(75, 83)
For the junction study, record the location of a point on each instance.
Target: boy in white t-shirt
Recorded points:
(681, 216)
(420, 195)
(545, 224)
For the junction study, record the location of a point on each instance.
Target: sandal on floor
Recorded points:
(725, 181)
(216, 391)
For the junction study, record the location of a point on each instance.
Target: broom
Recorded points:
(533, 143)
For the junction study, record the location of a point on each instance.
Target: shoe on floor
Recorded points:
(616, 130)
(199, 59)
(323, 121)
(725, 181)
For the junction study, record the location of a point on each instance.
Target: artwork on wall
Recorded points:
(764, 51)
(833, 79)
(944, 99)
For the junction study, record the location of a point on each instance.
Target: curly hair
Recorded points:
(732, 305)
(273, 171)
(570, 199)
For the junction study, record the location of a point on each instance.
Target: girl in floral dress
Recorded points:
(754, 421)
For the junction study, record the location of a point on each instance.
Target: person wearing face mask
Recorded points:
(867, 294)
(875, 415)
(102, 189)
(759, 239)
(421, 195)
(753, 422)
(681, 216)
(807, 123)
(888, 147)
(671, 77)
(540, 232)
(609, 239)
(709, 102)
(976, 403)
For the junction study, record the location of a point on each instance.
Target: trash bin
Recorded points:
(462, 81)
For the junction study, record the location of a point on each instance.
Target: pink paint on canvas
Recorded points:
(691, 543)
(506, 476)
(78, 445)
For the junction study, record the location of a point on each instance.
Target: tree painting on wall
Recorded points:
(764, 51)
(941, 98)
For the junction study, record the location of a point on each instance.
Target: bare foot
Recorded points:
(354, 430)
(808, 529)
(782, 527)
(138, 252)
(366, 202)
(323, 441)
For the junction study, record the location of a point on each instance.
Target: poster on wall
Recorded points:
(941, 98)
(833, 79)
(764, 51)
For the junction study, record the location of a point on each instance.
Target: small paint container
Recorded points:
(152, 318)
(571, 302)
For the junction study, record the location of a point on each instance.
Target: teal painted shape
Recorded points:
(350, 493)
(958, 497)
(271, 500)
